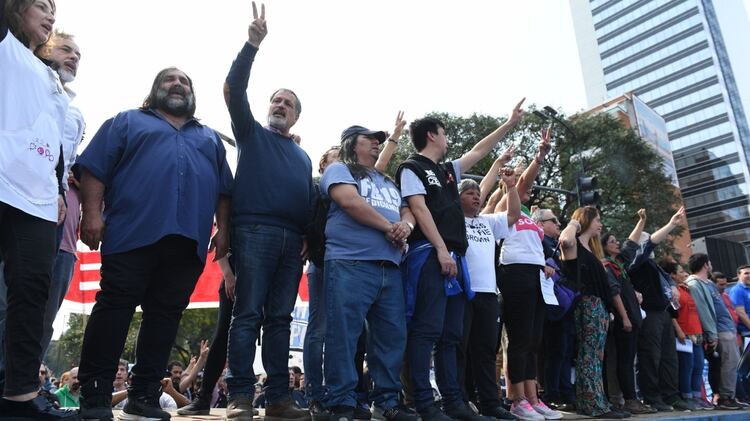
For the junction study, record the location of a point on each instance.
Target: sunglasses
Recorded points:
(552, 219)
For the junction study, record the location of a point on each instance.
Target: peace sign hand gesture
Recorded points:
(257, 30)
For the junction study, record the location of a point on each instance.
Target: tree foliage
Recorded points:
(196, 324)
(629, 172)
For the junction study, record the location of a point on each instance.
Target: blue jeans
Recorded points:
(359, 290)
(316, 331)
(437, 322)
(691, 372)
(62, 273)
(268, 268)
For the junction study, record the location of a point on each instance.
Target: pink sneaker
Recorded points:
(524, 411)
(545, 411)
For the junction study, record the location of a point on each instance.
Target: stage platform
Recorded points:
(715, 415)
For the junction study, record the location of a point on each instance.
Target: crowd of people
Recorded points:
(432, 296)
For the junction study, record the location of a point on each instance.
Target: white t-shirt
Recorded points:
(411, 185)
(523, 244)
(482, 233)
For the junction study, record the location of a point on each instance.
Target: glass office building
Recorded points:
(687, 60)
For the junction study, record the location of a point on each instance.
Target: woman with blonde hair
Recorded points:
(582, 263)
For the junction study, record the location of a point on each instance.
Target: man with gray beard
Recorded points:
(159, 176)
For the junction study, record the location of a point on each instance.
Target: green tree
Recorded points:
(628, 170)
(196, 324)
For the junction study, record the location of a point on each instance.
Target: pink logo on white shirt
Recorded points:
(526, 223)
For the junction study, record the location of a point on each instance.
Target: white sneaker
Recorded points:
(546, 412)
(524, 411)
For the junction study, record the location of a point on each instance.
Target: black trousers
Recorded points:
(657, 358)
(476, 356)
(523, 316)
(217, 354)
(27, 244)
(626, 346)
(160, 278)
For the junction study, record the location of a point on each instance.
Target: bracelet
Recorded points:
(411, 226)
(391, 140)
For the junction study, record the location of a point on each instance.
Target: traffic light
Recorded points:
(586, 188)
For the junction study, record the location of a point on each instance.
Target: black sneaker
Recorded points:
(143, 407)
(200, 406)
(728, 405)
(498, 412)
(38, 408)
(611, 415)
(684, 405)
(342, 413)
(362, 412)
(464, 413)
(433, 413)
(393, 414)
(318, 412)
(660, 406)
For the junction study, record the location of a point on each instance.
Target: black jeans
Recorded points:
(217, 354)
(657, 358)
(476, 356)
(160, 278)
(27, 244)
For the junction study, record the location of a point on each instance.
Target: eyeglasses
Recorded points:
(552, 219)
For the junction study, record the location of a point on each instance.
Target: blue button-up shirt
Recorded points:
(159, 180)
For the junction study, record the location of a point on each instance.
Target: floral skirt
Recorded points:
(591, 321)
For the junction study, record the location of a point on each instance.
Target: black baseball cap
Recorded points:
(357, 130)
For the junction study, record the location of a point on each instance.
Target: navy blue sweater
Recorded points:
(273, 183)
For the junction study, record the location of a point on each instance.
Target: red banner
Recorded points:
(86, 277)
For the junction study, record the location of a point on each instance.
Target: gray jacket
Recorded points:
(706, 310)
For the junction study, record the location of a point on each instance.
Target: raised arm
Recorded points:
(513, 200)
(635, 235)
(568, 245)
(391, 144)
(192, 374)
(484, 146)
(489, 180)
(235, 87)
(493, 201)
(526, 181)
(676, 220)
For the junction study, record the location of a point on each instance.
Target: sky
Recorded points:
(350, 62)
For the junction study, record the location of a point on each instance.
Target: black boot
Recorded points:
(200, 406)
(96, 401)
(144, 403)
